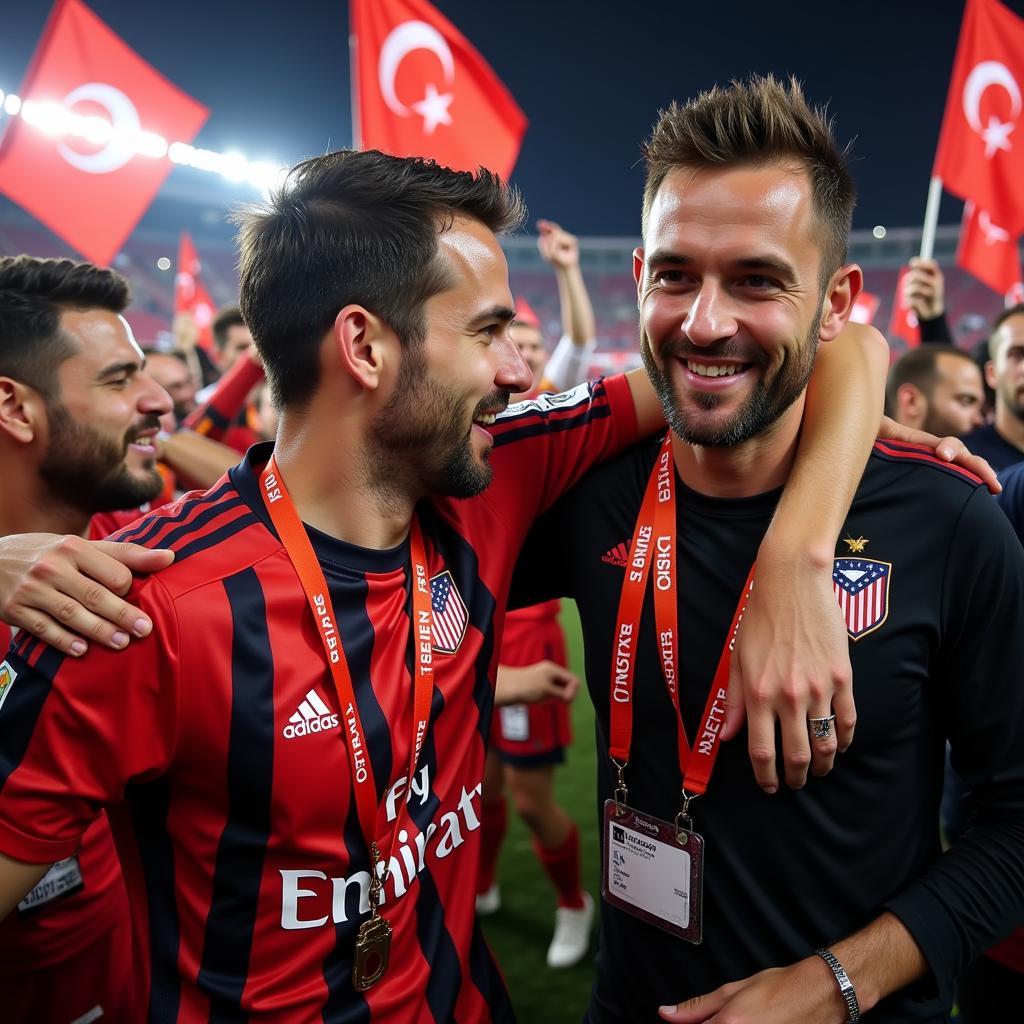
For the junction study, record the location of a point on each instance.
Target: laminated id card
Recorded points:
(653, 870)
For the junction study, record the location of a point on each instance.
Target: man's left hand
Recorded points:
(805, 993)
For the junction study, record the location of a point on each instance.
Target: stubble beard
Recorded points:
(764, 406)
(85, 470)
(419, 441)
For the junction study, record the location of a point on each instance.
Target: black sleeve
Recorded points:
(1011, 500)
(936, 331)
(973, 895)
(542, 569)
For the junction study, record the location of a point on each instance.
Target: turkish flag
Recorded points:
(903, 323)
(190, 294)
(988, 251)
(865, 307)
(423, 90)
(92, 194)
(981, 145)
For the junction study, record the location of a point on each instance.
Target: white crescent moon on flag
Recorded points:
(409, 36)
(983, 75)
(125, 120)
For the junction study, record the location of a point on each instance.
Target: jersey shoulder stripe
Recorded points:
(582, 405)
(900, 451)
(152, 523)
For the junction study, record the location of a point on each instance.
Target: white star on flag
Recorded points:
(434, 108)
(996, 136)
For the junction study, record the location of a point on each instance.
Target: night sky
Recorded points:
(590, 77)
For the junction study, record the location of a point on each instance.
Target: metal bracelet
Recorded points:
(846, 989)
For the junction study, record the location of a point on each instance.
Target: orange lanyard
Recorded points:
(654, 544)
(296, 543)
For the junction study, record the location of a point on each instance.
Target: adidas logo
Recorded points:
(618, 555)
(313, 716)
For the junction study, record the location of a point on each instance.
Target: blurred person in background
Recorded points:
(937, 388)
(1001, 442)
(529, 740)
(78, 423)
(227, 409)
(172, 372)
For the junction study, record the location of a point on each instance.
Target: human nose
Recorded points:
(153, 398)
(512, 373)
(710, 318)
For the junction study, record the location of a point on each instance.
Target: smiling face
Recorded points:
(101, 453)
(451, 386)
(730, 298)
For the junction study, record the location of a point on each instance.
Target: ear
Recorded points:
(991, 378)
(911, 405)
(638, 269)
(22, 411)
(840, 295)
(364, 344)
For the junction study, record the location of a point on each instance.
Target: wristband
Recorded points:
(846, 989)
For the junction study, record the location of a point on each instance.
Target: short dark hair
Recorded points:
(226, 318)
(758, 121)
(352, 227)
(33, 294)
(919, 367)
(993, 345)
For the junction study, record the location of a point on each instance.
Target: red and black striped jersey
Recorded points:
(216, 745)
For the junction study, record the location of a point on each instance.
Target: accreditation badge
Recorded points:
(653, 870)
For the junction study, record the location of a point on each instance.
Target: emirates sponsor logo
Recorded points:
(618, 555)
(312, 899)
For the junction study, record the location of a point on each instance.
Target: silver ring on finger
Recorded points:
(821, 728)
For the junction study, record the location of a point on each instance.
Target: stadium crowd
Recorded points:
(257, 596)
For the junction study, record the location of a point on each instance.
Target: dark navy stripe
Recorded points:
(349, 592)
(152, 523)
(183, 532)
(344, 1004)
(461, 559)
(23, 706)
(180, 532)
(231, 923)
(148, 805)
(553, 426)
(209, 540)
(487, 978)
(445, 979)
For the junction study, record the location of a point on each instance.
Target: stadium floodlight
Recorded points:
(879, 231)
(58, 121)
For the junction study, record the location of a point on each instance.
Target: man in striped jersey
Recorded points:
(290, 864)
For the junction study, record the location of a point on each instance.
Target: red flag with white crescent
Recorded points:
(988, 251)
(981, 145)
(190, 294)
(92, 191)
(424, 90)
(903, 322)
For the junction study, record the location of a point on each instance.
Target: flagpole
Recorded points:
(931, 219)
(353, 46)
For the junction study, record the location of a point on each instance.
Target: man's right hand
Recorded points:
(65, 590)
(924, 289)
(533, 683)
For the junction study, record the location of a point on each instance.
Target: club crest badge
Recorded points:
(7, 677)
(862, 589)
(450, 615)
